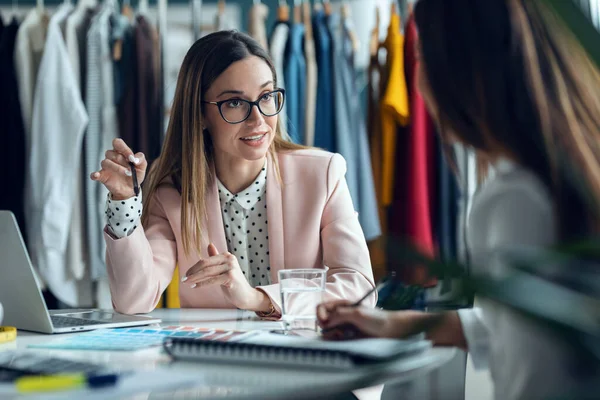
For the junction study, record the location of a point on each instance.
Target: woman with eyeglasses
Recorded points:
(230, 200)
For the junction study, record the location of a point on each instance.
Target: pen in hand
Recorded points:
(136, 186)
(348, 331)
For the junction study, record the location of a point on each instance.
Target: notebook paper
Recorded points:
(295, 352)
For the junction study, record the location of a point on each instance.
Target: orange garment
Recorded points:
(394, 108)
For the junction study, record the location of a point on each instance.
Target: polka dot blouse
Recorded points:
(244, 219)
(245, 222)
(123, 216)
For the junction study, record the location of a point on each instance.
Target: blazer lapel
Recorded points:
(215, 228)
(275, 219)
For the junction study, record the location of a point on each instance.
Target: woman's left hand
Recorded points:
(224, 269)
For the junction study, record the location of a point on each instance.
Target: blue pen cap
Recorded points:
(95, 381)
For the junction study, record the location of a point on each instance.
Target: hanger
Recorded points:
(113, 5)
(374, 41)
(297, 11)
(143, 6)
(86, 4)
(395, 11)
(45, 17)
(347, 14)
(308, 32)
(395, 8)
(283, 11)
(126, 10)
(327, 7)
(318, 5)
(162, 9)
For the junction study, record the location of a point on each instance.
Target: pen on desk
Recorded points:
(136, 186)
(49, 383)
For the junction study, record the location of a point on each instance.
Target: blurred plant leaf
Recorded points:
(579, 25)
(542, 283)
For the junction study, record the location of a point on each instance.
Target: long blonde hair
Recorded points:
(187, 155)
(508, 78)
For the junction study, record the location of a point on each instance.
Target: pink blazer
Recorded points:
(312, 223)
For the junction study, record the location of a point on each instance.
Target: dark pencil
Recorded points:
(136, 186)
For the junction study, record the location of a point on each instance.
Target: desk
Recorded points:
(218, 381)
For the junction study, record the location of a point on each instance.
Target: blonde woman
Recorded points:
(229, 200)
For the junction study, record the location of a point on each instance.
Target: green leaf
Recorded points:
(581, 27)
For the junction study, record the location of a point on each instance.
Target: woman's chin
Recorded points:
(254, 150)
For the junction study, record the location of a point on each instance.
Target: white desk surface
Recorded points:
(218, 381)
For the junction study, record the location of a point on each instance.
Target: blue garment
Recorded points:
(351, 132)
(295, 82)
(447, 206)
(324, 123)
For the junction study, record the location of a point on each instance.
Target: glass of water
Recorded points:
(301, 292)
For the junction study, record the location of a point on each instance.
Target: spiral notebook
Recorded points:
(281, 350)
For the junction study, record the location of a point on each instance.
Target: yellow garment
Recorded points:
(172, 292)
(376, 247)
(394, 108)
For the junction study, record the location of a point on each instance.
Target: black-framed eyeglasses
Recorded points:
(236, 110)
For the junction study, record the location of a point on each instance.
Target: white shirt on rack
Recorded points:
(58, 124)
(511, 209)
(29, 47)
(244, 219)
(76, 257)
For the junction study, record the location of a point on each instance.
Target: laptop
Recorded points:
(22, 300)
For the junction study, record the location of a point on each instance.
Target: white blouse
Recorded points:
(244, 220)
(513, 208)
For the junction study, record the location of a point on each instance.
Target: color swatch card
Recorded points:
(129, 339)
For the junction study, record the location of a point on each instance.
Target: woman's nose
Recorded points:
(255, 116)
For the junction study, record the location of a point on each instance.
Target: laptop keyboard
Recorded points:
(67, 322)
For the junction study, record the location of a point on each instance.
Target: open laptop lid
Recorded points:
(24, 305)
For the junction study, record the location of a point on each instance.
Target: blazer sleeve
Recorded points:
(140, 266)
(345, 251)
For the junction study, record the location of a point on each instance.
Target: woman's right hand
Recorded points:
(115, 173)
(340, 320)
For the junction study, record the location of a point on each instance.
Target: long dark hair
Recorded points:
(508, 78)
(187, 153)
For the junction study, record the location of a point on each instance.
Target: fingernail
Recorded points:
(184, 279)
(127, 172)
(194, 285)
(96, 174)
(134, 160)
